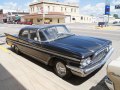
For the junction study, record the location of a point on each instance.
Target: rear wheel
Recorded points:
(16, 49)
(61, 70)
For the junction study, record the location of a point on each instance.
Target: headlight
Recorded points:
(110, 46)
(85, 62)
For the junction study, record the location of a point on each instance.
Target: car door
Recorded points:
(36, 47)
(23, 44)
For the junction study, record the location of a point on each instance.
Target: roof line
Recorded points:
(56, 3)
(42, 26)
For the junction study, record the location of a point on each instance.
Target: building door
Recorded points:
(31, 20)
(67, 19)
(58, 20)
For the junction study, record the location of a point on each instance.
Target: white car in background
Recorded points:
(113, 75)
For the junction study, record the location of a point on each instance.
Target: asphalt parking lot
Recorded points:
(20, 72)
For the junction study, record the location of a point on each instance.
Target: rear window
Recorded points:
(24, 34)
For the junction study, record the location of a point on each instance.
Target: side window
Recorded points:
(42, 37)
(33, 35)
(24, 34)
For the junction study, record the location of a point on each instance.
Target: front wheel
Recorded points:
(61, 70)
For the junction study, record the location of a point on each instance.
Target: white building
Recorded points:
(56, 12)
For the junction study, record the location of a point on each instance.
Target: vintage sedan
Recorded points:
(113, 75)
(68, 53)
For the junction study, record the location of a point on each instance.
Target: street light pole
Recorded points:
(108, 20)
(107, 9)
(43, 14)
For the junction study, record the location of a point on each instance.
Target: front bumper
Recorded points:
(91, 68)
(109, 83)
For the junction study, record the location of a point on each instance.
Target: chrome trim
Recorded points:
(99, 51)
(46, 51)
(109, 83)
(35, 57)
(91, 68)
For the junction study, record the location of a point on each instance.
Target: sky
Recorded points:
(90, 7)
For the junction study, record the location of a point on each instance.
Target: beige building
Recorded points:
(87, 19)
(55, 12)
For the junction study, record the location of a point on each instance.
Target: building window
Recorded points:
(87, 18)
(31, 20)
(32, 9)
(82, 18)
(50, 20)
(61, 8)
(65, 9)
(26, 20)
(53, 8)
(58, 21)
(37, 8)
(73, 18)
(39, 20)
(48, 8)
(71, 9)
(74, 10)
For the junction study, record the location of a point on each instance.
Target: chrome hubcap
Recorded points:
(61, 69)
(16, 49)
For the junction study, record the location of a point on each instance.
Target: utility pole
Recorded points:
(43, 12)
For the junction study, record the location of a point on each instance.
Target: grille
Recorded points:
(99, 56)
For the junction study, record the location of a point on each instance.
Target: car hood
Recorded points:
(81, 44)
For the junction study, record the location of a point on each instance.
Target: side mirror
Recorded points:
(36, 39)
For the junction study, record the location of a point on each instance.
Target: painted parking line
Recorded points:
(4, 49)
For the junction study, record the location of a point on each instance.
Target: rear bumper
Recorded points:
(109, 83)
(91, 68)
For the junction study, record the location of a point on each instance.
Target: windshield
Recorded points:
(56, 32)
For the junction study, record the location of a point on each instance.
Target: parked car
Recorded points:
(68, 53)
(101, 24)
(113, 75)
(10, 22)
(26, 23)
(19, 22)
(115, 22)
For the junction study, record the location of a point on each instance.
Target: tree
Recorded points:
(116, 16)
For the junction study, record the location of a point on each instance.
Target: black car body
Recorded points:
(55, 45)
